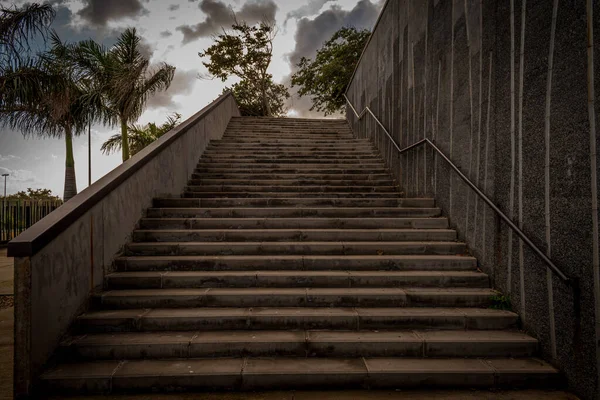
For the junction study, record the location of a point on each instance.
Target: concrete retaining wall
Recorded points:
(459, 73)
(61, 259)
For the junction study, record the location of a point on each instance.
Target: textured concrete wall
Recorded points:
(53, 285)
(459, 73)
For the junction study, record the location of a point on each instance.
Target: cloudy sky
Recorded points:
(173, 31)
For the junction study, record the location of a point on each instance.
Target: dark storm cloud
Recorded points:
(62, 26)
(220, 15)
(307, 10)
(183, 83)
(165, 34)
(174, 7)
(311, 34)
(99, 12)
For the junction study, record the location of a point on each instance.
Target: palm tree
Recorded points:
(19, 25)
(140, 136)
(56, 102)
(126, 78)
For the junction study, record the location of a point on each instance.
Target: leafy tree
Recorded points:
(34, 194)
(250, 99)
(140, 136)
(326, 78)
(125, 78)
(246, 52)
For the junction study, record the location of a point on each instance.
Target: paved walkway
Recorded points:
(6, 273)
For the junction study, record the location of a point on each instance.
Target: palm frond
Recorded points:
(19, 25)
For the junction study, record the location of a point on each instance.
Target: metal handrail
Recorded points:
(482, 195)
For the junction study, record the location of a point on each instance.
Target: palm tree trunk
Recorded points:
(70, 181)
(124, 140)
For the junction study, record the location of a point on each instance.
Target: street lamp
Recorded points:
(5, 175)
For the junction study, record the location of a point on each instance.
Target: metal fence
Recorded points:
(18, 215)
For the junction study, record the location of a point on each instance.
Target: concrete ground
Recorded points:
(6, 372)
(6, 273)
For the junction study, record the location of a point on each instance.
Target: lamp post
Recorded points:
(3, 207)
(5, 175)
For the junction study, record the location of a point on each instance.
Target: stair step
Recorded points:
(295, 297)
(294, 247)
(357, 228)
(297, 262)
(289, 318)
(283, 278)
(301, 343)
(298, 164)
(297, 373)
(278, 235)
(300, 194)
(274, 159)
(298, 201)
(293, 169)
(322, 183)
(362, 177)
(224, 153)
(289, 212)
(250, 188)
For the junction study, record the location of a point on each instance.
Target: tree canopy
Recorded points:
(326, 78)
(246, 52)
(34, 194)
(249, 98)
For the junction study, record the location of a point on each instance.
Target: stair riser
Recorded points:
(276, 321)
(288, 195)
(235, 147)
(262, 280)
(294, 263)
(293, 248)
(295, 169)
(311, 223)
(301, 348)
(367, 165)
(283, 202)
(258, 159)
(248, 184)
(246, 177)
(293, 235)
(292, 212)
(393, 190)
(235, 153)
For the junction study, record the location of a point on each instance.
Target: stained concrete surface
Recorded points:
(6, 273)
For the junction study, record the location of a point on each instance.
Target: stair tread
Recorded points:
(293, 291)
(237, 336)
(311, 257)
(196, 312)
(295, 273)
(297, 366)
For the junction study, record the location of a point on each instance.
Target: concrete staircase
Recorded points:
(292, 261)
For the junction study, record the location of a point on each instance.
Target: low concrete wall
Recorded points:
(64, 257)
(459, 73)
